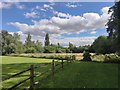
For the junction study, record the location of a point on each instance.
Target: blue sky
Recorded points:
(80, 22)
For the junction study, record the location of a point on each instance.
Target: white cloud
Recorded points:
(19, 6)
(46, 6)
(43, 9)
(56, 26)
(93, 32)
(31, 15)
(105, 10)
(75, 40)
(7, 5)
(37, 7)
(60, 14)
(12, 33)
(52, 3)
(72, 5)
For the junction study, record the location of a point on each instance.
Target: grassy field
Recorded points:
(85, 75)
(13, 65)
(75, 75)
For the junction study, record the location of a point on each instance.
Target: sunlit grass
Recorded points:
(13, 65)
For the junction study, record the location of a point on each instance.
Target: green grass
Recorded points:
(85, 75)
(75, 75)
(13, 65)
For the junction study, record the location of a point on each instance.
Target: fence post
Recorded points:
(53, 67)
(62, 63)
(70, 59)
(73, 57)
(32, 77)
(67, 61)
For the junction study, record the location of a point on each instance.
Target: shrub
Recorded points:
(74, 57)
(98, 57)
(50, 57)
(30, 50)
(112, 58)
(86, 56)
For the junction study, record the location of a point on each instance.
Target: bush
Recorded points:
(112, 58)
(59, 57)
(86, 56)
(98, 57)
(107, 58)
(58, 51)
(30, 50)
(49, 49)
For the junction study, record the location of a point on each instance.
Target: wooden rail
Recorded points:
(16, 74)
(11, 88)
(32, 73)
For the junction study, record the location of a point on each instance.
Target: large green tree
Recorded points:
(19, 48)
(10, 43)
(29, 44)
(28, 41)
(38, 47)
(7, 44)
(102, 45)
(114, 25)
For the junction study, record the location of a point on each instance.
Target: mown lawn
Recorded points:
(85, 75)
(75, 75)
(13, 65)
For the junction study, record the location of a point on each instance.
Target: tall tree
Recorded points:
(28, 40)
(19, 48)
(47, 42)
(29, 44)
(71, 46)
(114, 25)
(58, 44)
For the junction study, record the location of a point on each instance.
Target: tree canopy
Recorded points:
(102, 45)
(113, 24)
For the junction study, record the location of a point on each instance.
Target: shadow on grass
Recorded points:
(10, 69)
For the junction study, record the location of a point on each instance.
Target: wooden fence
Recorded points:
(54, 67)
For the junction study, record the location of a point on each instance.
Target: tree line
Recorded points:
(12, 44)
